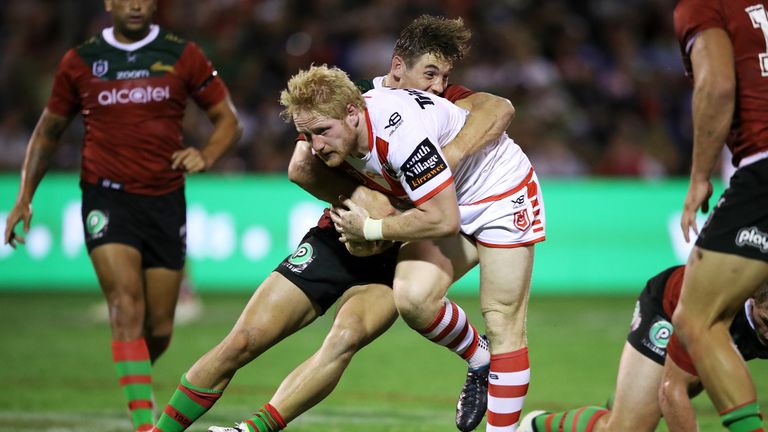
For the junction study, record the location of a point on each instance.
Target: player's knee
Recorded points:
(126, 309)
(505, 322)
(240, 346)
(664, 396)
(416, 306)
(160, 322)
(506, 309)
(686, 326)
(345, 340)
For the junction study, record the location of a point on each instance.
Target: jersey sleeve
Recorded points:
(692, 17)
(203, 81)
(64, 99)
(456, 92)
(680, 356)
(420, 163)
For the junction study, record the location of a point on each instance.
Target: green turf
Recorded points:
(57, 375)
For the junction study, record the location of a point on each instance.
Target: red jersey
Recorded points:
(452, 92)
(132, 98)
(746, 23)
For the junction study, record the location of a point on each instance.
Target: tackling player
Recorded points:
(322, 271)
(131, 84)
(646, 385)
(392, 138)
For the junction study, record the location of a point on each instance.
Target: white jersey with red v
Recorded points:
(407, 129)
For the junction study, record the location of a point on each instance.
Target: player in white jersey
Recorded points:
(408, 163)
(393, 138)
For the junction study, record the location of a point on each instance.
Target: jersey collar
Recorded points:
(109, 35)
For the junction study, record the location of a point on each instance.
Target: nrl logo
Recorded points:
(100, 68)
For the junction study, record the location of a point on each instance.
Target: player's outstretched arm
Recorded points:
(714, 90)
(226, 131)
(489, 117)
(677, 388)
(312, 175)
(40, 150)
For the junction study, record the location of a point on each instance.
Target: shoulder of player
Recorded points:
(168, 41)
(364, 85)
(92, 45)
(691, 17)
(383, 103)
(405, 102)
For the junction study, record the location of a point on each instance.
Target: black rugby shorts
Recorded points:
(323, 269)
(154, 225)
(739, 223)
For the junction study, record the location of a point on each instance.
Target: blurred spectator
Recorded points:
(598, 84)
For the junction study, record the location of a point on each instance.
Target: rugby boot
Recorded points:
(240, 427)
(526, 424)
(473, 400)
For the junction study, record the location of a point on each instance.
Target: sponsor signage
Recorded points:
(603, 236)
(138, 95)
(422, 165)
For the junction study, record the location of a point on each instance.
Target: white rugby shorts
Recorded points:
(513, 218)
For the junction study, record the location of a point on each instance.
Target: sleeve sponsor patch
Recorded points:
(424, 164)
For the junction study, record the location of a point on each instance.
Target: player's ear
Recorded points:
(397, 68)
(352, 114)
(108, 5)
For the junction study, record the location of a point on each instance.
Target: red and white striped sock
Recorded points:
(507, 387)
(451, 329)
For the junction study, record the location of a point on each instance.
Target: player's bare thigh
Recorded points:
(505, 280)
(424, 272)
(635, 405)
(277, 309)
(364, 312)
(717, 284)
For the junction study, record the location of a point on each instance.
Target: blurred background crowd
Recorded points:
(598, 85)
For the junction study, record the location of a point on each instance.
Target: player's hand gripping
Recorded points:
(190, 159)
(20, 212)
(699, 192)
(349, 221)
(378, 206)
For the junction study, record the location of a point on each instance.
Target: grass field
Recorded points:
(57, 375)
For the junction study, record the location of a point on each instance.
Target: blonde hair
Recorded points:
(322, 91)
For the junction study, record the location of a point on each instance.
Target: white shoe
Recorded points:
(526, 424)
(240, 427)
